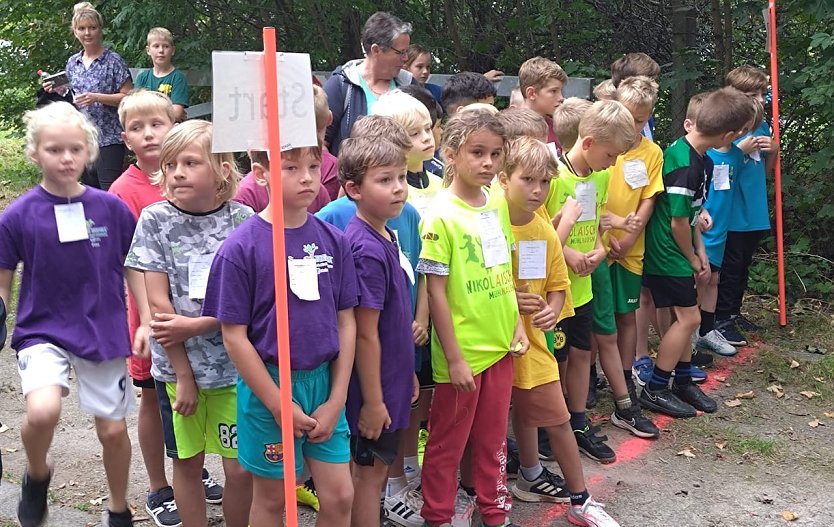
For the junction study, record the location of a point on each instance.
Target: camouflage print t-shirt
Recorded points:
(182, 245)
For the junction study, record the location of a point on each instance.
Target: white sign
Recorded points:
(239, 101)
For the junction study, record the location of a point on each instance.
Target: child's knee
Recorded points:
(43, 417)
(338, 498)
(689, 317)
(111, 432)
(235, 474)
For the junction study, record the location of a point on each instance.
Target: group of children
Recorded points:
(413, 295)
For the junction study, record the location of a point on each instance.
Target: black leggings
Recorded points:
(108, 167)
(735, 270)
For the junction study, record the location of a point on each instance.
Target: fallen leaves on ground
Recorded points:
(794, 365)
(733, 403)
(687, 452)
(720, 378)
(746, 395)
(829, 415)
(721, 445)
(809, 394)
(777, 390)
(98, 501)
(815, 423)
(789, 516)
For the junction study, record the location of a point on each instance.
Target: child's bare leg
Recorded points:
(527, 438)
(627, 339)
(609, 359)
(237, 494)
(188, 490)
(676, 344)
(43, 408)
(115, 445)
(150, 439)
(335, 490)
(267, 502)
(567, 456)
(368, 483)
(577, 379)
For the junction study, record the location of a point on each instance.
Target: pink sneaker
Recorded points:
(590, 514)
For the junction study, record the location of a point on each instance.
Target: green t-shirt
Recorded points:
(481, 299)
(174, 85)
(684, 179)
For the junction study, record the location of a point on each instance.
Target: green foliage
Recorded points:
(16, 173)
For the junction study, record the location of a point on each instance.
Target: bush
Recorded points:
(16, 172)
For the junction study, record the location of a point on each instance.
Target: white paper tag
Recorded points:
(553, 150)
(532, 259)
(404, 263)
(493, 241)
(696, 218)
(721, 177)
(586, 195)
(72, 224)
(304, 278)
(199, 266)
(635, 173)
(756, 156)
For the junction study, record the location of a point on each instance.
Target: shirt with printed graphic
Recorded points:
(181, 244)
(720, 199)
(173, 84)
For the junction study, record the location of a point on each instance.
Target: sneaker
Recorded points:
(665, 402)
(698, 375)
(701, 359)
(642, 369)
(305, 494)
(730, 332)
(116, 519)
(716, 343)
(632, 419)
(32, 509)
(213, 489)
(404, 508)
(545, 451)
(548, 487)
(593, 445)
(745, 324)
(422, 439)
(590, 514)
(632, 392)
(162, 508)
(464, 508)
(691, 394)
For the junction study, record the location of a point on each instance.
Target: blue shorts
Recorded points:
(259, 436)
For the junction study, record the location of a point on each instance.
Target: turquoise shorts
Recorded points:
(260, 449)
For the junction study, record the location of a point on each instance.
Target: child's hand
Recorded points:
(571, 210)
(595, 257)
(185, 403)
(748, 144)
(767, 144)
(415, 393)
(301, 422)
(519, 345)
(528, 303)
(494, 75)
(633, 223)
(373, 418)
(460, 375)
(545, 319)
(142, 342)
(421, 334)
(170, 328)
(326, 416)
(704, 220)
(576, 260)
(703, 276)
(606, 222)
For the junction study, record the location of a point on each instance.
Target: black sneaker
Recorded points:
(632, 392)
(162, 508)
(548, 487)
(513, 465)
(701, 359)
(665, 402)
(545, 451)
(116, 519)
(692, 394)
(31, 509)
(213, 489)
(728, 329)
(745, 324)
(632, 419)
(593, 445)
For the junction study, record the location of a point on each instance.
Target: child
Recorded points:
(605, 131)
(566, 120)
(465, 88)
(164, 77)
(72, 240)
(537, 393)
(749, 221)
(675, 256)
(636, 65)
(419, 64)
(240, 294)
(466, 258)
(605, 91)
(435, 164)
(523, 122)
(173, 246)
(541, 82)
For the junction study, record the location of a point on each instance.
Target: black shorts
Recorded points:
(714, 268)
(672, 291)
(145, 383)
(363, 451)
(574, 332)
(425, 375)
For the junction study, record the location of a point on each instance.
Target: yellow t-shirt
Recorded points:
(538, 366)
(481, 299)
(422, 198)
(637, 175)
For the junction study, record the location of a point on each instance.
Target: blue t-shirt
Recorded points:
(750, 211)
(719, 202)
(370, 97)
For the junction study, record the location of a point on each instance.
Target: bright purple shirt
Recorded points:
(383, 286)
(241, 291)
(72, 294)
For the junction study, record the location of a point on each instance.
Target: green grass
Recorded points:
(84, 507)
(16, 173)
(707, 432)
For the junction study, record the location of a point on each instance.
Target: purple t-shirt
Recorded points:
(72, 294)
(383, 286)
(241, 291)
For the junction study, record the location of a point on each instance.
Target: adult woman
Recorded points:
(355, 86)
(100, 79)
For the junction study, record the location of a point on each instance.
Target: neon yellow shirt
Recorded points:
(422, 198)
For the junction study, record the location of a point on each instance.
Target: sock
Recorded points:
(628, 376)
(660, 379)
(396, 485)
(683, 373)
(412, 467)
(578, 420)
(470, 491)
(707, 322)
(623, 403)
(579, 498)
(593, 372)
(532, 473)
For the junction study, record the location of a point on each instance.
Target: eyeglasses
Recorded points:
(401, 53)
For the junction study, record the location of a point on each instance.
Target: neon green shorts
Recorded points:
(625, 286)
(212, 428)
(603, 303)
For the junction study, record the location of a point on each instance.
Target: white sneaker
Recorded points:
(716, 343)
(404, 508)
(590, 514)
(464, 508)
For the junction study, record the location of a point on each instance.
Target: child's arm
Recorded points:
(621, 246)
(546, 319)
(631, 223)
(141, 339)
(6, 276)
(595, 256)
(460, 374)
(251, 369)
(770, 147)
(682, 233)
(703, 275)
(564, 221)
(421, 313)
(373, 416)
(170, 328)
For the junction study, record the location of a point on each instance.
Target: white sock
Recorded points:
(531, 473)
(396, 485)
(412, 467)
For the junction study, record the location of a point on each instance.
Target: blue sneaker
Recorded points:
(642, 369)
(698, 375)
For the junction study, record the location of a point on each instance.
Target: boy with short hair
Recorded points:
(675, 256)
(566, 120)
(523, 122)
(541, 82)
(636, 65)
(322, 337)
(605, 90)
(383, 384)
(435, 164)
(163, 76)
(464, 88)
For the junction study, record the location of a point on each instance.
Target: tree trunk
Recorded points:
(684, 34)
(718, 34)
(728, 36)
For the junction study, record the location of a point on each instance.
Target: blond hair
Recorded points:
(457, 131)
(357, 155)
(725, 110)
(145, 102)
(85, 11)
(633, 65)
(479, 107)
(747, 79)
(608, 122)
(637, 92)
(382, 126)
(520, 122)
(320, 106)
(529, 155)
(54, 114)
(537, 72)
(566, 120)
(405, 109)
(160, 33)
(605, 91)
(197, 132)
